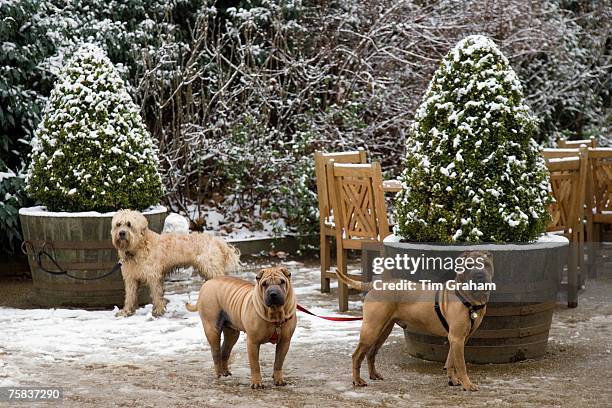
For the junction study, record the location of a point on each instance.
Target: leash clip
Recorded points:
(474, 315)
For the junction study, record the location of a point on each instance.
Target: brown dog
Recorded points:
(147, 256)
(461, 310)
(264, 310)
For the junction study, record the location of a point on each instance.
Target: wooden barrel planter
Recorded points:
(519, 312)
(80, 244)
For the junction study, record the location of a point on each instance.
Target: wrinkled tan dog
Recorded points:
(147, 256)
(264, 310)
(455, 314)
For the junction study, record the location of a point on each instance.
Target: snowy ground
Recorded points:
(101, 360)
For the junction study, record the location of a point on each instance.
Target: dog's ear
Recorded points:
(260, 274)
(285, 271)
(488, 262)
(144, 224)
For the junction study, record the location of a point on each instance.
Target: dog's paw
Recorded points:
(359, 382)
(280, 382)
(124, 313)
(225, 373)
(278, 378)
(375, 376)
(257, 385)
(468, 386)
(159, 311)
(452, 382)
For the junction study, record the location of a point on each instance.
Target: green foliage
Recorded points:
(13, 197)
(473, 172)
(23, 82)
(92, 150)
(35, 35)
(266, 176)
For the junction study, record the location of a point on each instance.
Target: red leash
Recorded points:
(333, 319)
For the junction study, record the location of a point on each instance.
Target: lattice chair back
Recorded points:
(568, 179)
(358, 203)
(601, 160)
(322, 161)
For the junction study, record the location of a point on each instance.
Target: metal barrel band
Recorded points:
(28, 248)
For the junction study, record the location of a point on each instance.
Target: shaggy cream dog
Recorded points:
(147, 256)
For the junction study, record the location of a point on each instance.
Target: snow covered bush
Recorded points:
(473, 172)
(92, 151)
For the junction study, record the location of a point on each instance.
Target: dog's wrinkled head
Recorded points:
(128, 229)
(478, 271)
(274, 285)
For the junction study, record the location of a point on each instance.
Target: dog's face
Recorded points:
(274, 285)
(128, 229)
(480, 270)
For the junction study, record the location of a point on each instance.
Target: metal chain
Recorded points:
(27, 247)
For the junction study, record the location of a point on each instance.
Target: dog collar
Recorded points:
(277, 330)
(472, 309)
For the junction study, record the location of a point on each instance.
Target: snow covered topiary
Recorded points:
(92, 151)
(473, 172)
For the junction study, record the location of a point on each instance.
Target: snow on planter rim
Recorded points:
(546, 240)
(41, 211)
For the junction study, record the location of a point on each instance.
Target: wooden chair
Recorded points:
(568, 179)
(574, 152)
(599, 200)
(563, 143)
(327, 226)
(360, 212)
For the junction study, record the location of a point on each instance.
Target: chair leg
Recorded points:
(325, 257)
(572, 277)
(343, 291)
(582, 264)
(595, 248)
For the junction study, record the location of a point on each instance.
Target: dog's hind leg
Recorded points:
(213, 335)
(358, 356)
(384, 334)
(374, 325)
(230, 337)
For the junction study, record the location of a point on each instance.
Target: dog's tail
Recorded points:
(353, 283)
(232, 258)
(191, 308)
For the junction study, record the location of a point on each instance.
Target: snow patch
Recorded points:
(41, 211)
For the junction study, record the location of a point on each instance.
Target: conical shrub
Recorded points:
(473, 172)
(92, 151)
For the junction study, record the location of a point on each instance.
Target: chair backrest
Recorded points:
(568, 179)
(601, 168)
(564, 143)
(358, 203)
(552, 153)
(322, 161)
